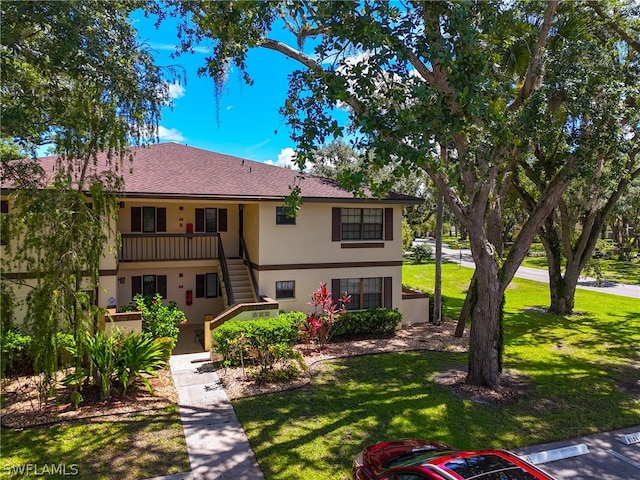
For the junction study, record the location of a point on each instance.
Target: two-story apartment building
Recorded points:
(210, 232)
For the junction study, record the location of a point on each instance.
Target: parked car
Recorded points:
(415, 459)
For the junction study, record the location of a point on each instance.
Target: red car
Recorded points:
(420, 460)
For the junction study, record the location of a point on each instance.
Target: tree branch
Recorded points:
(615, 26)
(533, 78)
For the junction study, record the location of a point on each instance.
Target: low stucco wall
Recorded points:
(414, 307)
(126, 322)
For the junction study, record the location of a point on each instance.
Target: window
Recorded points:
(4, 210)
(207, 285)
(362, 223)
(211, 220)
(148, 219)
(149, 285)
(282, 218)
(365, 292)
(286, 289)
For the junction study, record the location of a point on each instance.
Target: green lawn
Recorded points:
(138, 447)
(579, 367)
(612, 270)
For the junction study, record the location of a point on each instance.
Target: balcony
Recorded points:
(168, 247)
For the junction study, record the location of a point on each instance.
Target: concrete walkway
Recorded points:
(216, 442)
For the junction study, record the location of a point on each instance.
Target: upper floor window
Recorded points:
(362, 223)
(148, 219)
(4, 210)
(211, 220)
(282, 218)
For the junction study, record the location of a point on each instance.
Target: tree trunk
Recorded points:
(485, 346)
(466, 307)
(437, 297)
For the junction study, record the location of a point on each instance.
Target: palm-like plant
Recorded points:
(138, 354)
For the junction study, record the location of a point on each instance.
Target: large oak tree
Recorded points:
(415, 76)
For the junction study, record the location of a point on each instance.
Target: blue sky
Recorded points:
(246, 120)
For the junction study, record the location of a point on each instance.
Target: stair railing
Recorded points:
(225, 273)
(247, 262)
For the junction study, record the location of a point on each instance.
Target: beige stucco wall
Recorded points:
(181, 275)
(309, 240)
(414, 311)
(308, 280)
(308, 243)
(177, 286)
(182, 212)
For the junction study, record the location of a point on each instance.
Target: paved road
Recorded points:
(463, 257)
(607, 457)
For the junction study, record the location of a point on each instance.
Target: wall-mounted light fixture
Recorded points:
(121, 280)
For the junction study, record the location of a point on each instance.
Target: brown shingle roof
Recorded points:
(172, 169)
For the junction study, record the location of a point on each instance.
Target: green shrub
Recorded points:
(158, 320)
(241, 340)
(138, 354)
(375, 321)
(14, 352)
(422, 252)
(279, 363)
(66, 347)
(166, 345)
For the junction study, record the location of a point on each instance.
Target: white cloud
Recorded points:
(286, 158)
(176, 90)
(169, 134)
(260, 144)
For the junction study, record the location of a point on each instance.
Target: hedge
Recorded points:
(235, 339)
(375, 321)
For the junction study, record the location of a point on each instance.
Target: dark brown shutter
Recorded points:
(161, 285)
(136, 219)
(199, 219)
(388, 224)
(4, 206)
(161, 219)
(335, 288)
(388, 292)
(200, 286)
(222, 219)
(336, 221)
(136, 286)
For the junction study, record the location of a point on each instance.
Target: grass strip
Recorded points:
(130, 448)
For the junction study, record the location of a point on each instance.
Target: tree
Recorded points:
(414, 75)
(75, 78)
(598, 123)
(625, 218)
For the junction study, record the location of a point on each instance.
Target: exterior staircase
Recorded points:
(241, 285)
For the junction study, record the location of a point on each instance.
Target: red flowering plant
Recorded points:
(319, 325)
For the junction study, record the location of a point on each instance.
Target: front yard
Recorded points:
(571, 375)
(582, 376)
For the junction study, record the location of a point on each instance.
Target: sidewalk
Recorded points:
(216, 442)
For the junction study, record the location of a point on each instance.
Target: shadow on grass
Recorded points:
(133, 447)
(316, 431)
